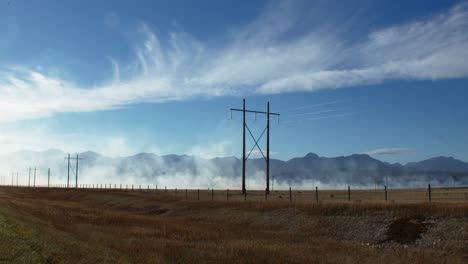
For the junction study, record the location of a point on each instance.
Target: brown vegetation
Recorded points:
(109, 226)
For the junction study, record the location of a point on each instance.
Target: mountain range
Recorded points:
(356, 169)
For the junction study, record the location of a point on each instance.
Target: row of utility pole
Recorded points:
(29, 178)
(244, 156)
(34, 177)
(33, 173)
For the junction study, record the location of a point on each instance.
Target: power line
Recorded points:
(310, 106)
(267, 129)
(76, 170)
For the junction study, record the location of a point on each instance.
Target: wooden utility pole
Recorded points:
(76, 172)
(349, 193)
(290, 194)
(68, 177)
(243, 146)
(48, 178)
(429, 192)
(385, 189)
(316, 194)
(267, 129)
(268, 151)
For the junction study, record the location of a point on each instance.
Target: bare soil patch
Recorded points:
(406, 230)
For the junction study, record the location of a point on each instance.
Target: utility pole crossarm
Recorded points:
(253, 111)
(267, 129)
(76, 170)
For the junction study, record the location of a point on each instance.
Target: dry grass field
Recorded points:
(393, 195)
(110, 226)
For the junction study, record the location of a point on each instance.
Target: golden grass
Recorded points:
(97, 226)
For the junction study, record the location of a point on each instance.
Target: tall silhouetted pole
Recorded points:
(243, 146)
(68, 177)
(268, 151)
(76, 172)
(267, 129)
(48, 178)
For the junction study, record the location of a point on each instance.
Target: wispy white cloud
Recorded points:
(430, 49)
(313, 113)
(332, 116)
(319, 117)
(263, 57)
(308, 106)
(390, 151)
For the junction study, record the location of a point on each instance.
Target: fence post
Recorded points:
(186, 195)
(227, 194)
(385, 192)
(132, 187)
(349, 193)
(212, 194)
(245, 195)
(165, 188)
(429, 190)
(290, 194)
(198, 194)
(316, 194)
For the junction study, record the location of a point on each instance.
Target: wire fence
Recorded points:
(356, 195)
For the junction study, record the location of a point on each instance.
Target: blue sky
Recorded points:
(386, 78)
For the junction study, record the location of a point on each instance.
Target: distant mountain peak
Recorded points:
(441, 163)
(89, 152)
(361, 155)
(311, 155)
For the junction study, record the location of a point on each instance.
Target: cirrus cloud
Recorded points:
(390, 151)
(257, 59)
